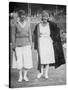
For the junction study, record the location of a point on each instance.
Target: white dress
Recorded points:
(46, 45)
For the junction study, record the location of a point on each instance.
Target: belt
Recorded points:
(22, 36)
(44, 36)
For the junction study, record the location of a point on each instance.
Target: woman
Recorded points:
(21, 42)
(48, 44)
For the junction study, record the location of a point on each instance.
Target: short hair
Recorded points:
(45, 13)
(21, 12)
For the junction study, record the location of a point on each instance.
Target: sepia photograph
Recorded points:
(37, 44)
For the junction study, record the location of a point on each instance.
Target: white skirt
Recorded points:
(46, 50)
(24, 57)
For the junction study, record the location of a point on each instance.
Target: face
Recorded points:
(44, 19)
(22, 18)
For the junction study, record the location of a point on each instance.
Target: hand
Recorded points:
(15, 15)
(31, 46)
(14, 46)
(10, 44)
(18, 19)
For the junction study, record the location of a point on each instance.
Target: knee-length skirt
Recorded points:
(46, 50)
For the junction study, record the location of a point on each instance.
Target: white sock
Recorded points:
(25, 75)
(20, 75)
(41, 73)
(46, 70)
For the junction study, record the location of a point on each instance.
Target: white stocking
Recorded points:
(46, 70)
(25, 75)
(20, 75)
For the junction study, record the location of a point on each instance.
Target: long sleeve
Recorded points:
(19, 26)
(35, 37)
(29, 30)
(58, 35)
(30, 34)
(55, 32)
(13, 32)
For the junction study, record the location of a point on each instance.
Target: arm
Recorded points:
(55, 32)
(35, 37)
(19, 26)
(30, 34)
(58, 39)
(13, 29)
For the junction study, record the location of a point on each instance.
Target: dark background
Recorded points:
(15, 6)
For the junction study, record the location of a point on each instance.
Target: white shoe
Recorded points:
(39, 75)
(46, 76)
(20, 79)
(25, 78)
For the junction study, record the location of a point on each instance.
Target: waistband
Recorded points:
(22, 36)
(43, 35)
